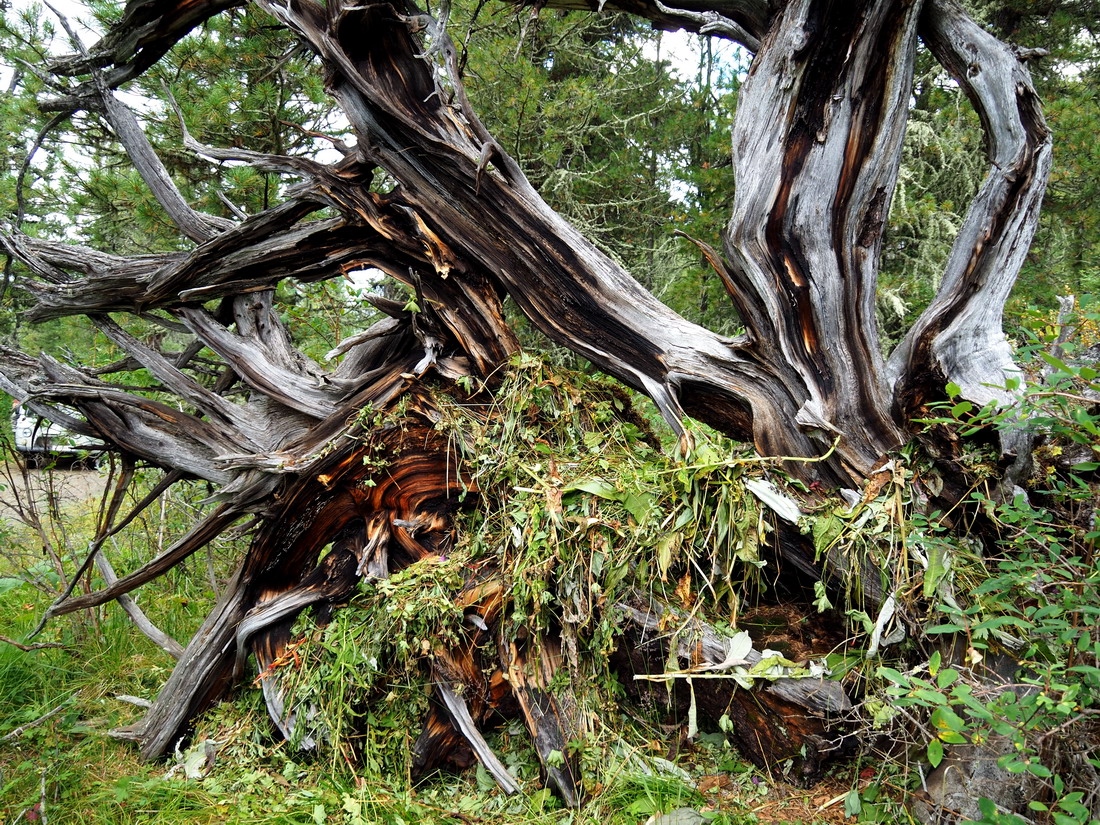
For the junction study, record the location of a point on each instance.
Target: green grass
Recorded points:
(85, 776)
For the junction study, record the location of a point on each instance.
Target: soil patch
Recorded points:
(56, 490)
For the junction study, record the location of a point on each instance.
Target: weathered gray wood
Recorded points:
(201, 675)
(959, 337)
(258, 365)
(817, 146)
(195, 225)
(817, 150)
(208, 403)
(460, 714)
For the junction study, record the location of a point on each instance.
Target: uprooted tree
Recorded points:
(428, 196)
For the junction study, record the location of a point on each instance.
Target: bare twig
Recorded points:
(711, 22)
(196, 225)
(19, 731)
(134, 700)
(167, 481)
(35, 646)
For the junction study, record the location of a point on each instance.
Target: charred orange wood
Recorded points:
(415, 492)
(440, 746)
(332, 581)
(552, 718)
(415, 496)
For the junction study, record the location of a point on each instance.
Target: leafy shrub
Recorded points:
(1030, 597)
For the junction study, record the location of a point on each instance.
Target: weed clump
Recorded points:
(571, 510)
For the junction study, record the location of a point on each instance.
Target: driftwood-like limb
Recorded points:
(147, 30)
(959, 337)
(460, 716)
(195, 225)
(45, 717)
(213, 406)
(20, 375)
(260, 367)
(814, 184)
(197, 538)
(136, 614)
(817, 150)
(710, 22)
(28, 648)
(202, 674)
(571, 290)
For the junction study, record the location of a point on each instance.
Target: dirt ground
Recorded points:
(62, 488)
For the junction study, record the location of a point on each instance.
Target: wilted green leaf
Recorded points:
(595, 486)
(852, 803)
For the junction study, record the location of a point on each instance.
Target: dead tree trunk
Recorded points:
(817, 150)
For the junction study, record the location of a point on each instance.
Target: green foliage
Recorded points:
(1029, 601)
(62, 763)
(569, 471)
(1066, 257)
(26, 37)
(362, 674)
(942, 167)
(576, 509)
(614, 140)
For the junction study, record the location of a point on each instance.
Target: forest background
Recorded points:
(629, 149)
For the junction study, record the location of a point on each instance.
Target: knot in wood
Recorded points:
(419, 22)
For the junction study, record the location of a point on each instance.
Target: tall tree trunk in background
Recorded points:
(817, 147)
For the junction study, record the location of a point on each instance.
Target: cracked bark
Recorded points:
(816, 150)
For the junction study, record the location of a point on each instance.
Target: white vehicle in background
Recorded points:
(37, 438)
